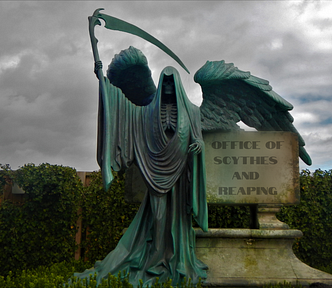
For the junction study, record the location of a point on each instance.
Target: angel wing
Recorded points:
(130, 72)
(231, 95)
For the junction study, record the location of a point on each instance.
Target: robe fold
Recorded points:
(160, 242)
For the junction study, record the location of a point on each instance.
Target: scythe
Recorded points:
(120, 25)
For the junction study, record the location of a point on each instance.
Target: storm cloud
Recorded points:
(49, 93)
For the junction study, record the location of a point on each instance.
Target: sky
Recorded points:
(49, 93)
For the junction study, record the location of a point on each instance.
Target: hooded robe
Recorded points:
(160, 241)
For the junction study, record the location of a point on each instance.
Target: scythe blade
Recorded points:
(120, 25)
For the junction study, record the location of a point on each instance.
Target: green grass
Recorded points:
(57, 275)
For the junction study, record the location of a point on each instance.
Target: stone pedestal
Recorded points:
(253, 258)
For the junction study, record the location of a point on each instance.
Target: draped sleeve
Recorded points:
(115, 132)
(198, 182)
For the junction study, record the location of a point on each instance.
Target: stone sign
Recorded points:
(252, 168)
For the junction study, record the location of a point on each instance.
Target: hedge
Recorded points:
(313, 216)
(105, 215)
(41, 230)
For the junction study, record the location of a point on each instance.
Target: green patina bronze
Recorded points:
(169, 151)
(160, 242)
(160, 130)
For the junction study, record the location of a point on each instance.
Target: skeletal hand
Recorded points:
(98, 66)
(195, 148)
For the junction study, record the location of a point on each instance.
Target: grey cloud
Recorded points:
(48, 102)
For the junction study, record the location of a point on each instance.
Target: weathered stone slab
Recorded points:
(252, 168)
(253, 258)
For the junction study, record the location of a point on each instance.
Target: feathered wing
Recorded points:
(130, 72)
(231, 95)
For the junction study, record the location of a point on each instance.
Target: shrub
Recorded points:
(229, 216)
(42, 229)
(105, 215)
(313, 216)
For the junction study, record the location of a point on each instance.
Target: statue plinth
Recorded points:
(253, 258)
(259, 169)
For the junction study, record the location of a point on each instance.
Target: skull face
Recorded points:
(168, 90)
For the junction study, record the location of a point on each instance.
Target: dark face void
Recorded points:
(168, 90)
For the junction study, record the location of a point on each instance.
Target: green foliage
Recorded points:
(42, 229)
(57, 276)
(327, 269)
(229, 216)
(43, 276)
(313, 216)
(6, 173)
(121, 281)
(105, 215)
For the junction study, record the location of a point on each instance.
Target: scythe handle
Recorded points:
(103, 124)
(93, 21)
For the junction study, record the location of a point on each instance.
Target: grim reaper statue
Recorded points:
(160, 130)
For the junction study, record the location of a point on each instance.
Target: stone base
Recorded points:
(254, 258)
